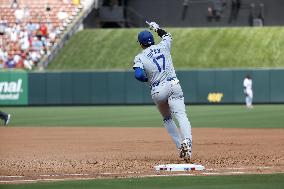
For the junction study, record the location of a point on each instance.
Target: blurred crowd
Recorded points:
(27, 35)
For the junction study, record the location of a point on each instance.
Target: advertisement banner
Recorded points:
(13, 88)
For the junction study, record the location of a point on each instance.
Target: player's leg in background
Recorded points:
(247, 100)
(160, 97)
(250, 99)
(169, 123)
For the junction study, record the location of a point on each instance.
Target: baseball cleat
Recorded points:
(185, 150)
(7, 120)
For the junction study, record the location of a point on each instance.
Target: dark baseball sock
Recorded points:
(3, 115)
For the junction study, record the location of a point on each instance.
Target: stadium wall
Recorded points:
(108, 88)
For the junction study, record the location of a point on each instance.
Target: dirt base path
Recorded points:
(45, 153)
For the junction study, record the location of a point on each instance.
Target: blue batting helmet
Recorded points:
(146, 38)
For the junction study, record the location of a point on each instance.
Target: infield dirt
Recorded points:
(122, 152)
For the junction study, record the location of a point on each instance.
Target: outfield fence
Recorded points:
(117, 87)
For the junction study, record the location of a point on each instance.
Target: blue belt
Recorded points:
(156, 83)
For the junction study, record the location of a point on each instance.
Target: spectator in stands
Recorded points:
(19, 15)
(1, 64)
(38, 33)
(37, 44)
(7, 31)
(184, 10)
(25, 61)
(235, 8)
(31, 27)
(261, 13)
(43, 30)
(52, 36)
(24, 43)
(49, 25)
(26, 13)
(209, 13)
(215, 10)
(48, 44)
(17, 59)
(3, 55)
(17, 28)
(23, 32)
(14, 35)
(251, 14)
(28, 63)
(3, 26)
(10, 63)
(14, 4)
(2, 29)
(62, 16)
(35, 56)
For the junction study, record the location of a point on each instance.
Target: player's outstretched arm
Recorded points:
(166, 37)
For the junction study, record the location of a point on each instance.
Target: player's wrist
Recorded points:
(161, 32)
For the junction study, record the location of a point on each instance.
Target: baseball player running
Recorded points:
(247, 83)
(154, 65)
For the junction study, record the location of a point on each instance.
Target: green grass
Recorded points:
(226, 116)
(192, 48)
(275, 181)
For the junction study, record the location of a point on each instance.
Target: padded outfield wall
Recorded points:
(104, 88)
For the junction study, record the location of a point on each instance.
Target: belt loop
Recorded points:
(155, 84)
(171, 78)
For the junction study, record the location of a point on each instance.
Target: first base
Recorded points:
(179, 167)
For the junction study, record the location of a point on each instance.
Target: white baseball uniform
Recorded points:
(166, 91)
(248, 91)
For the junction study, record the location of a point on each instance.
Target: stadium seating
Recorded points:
(29, 29)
